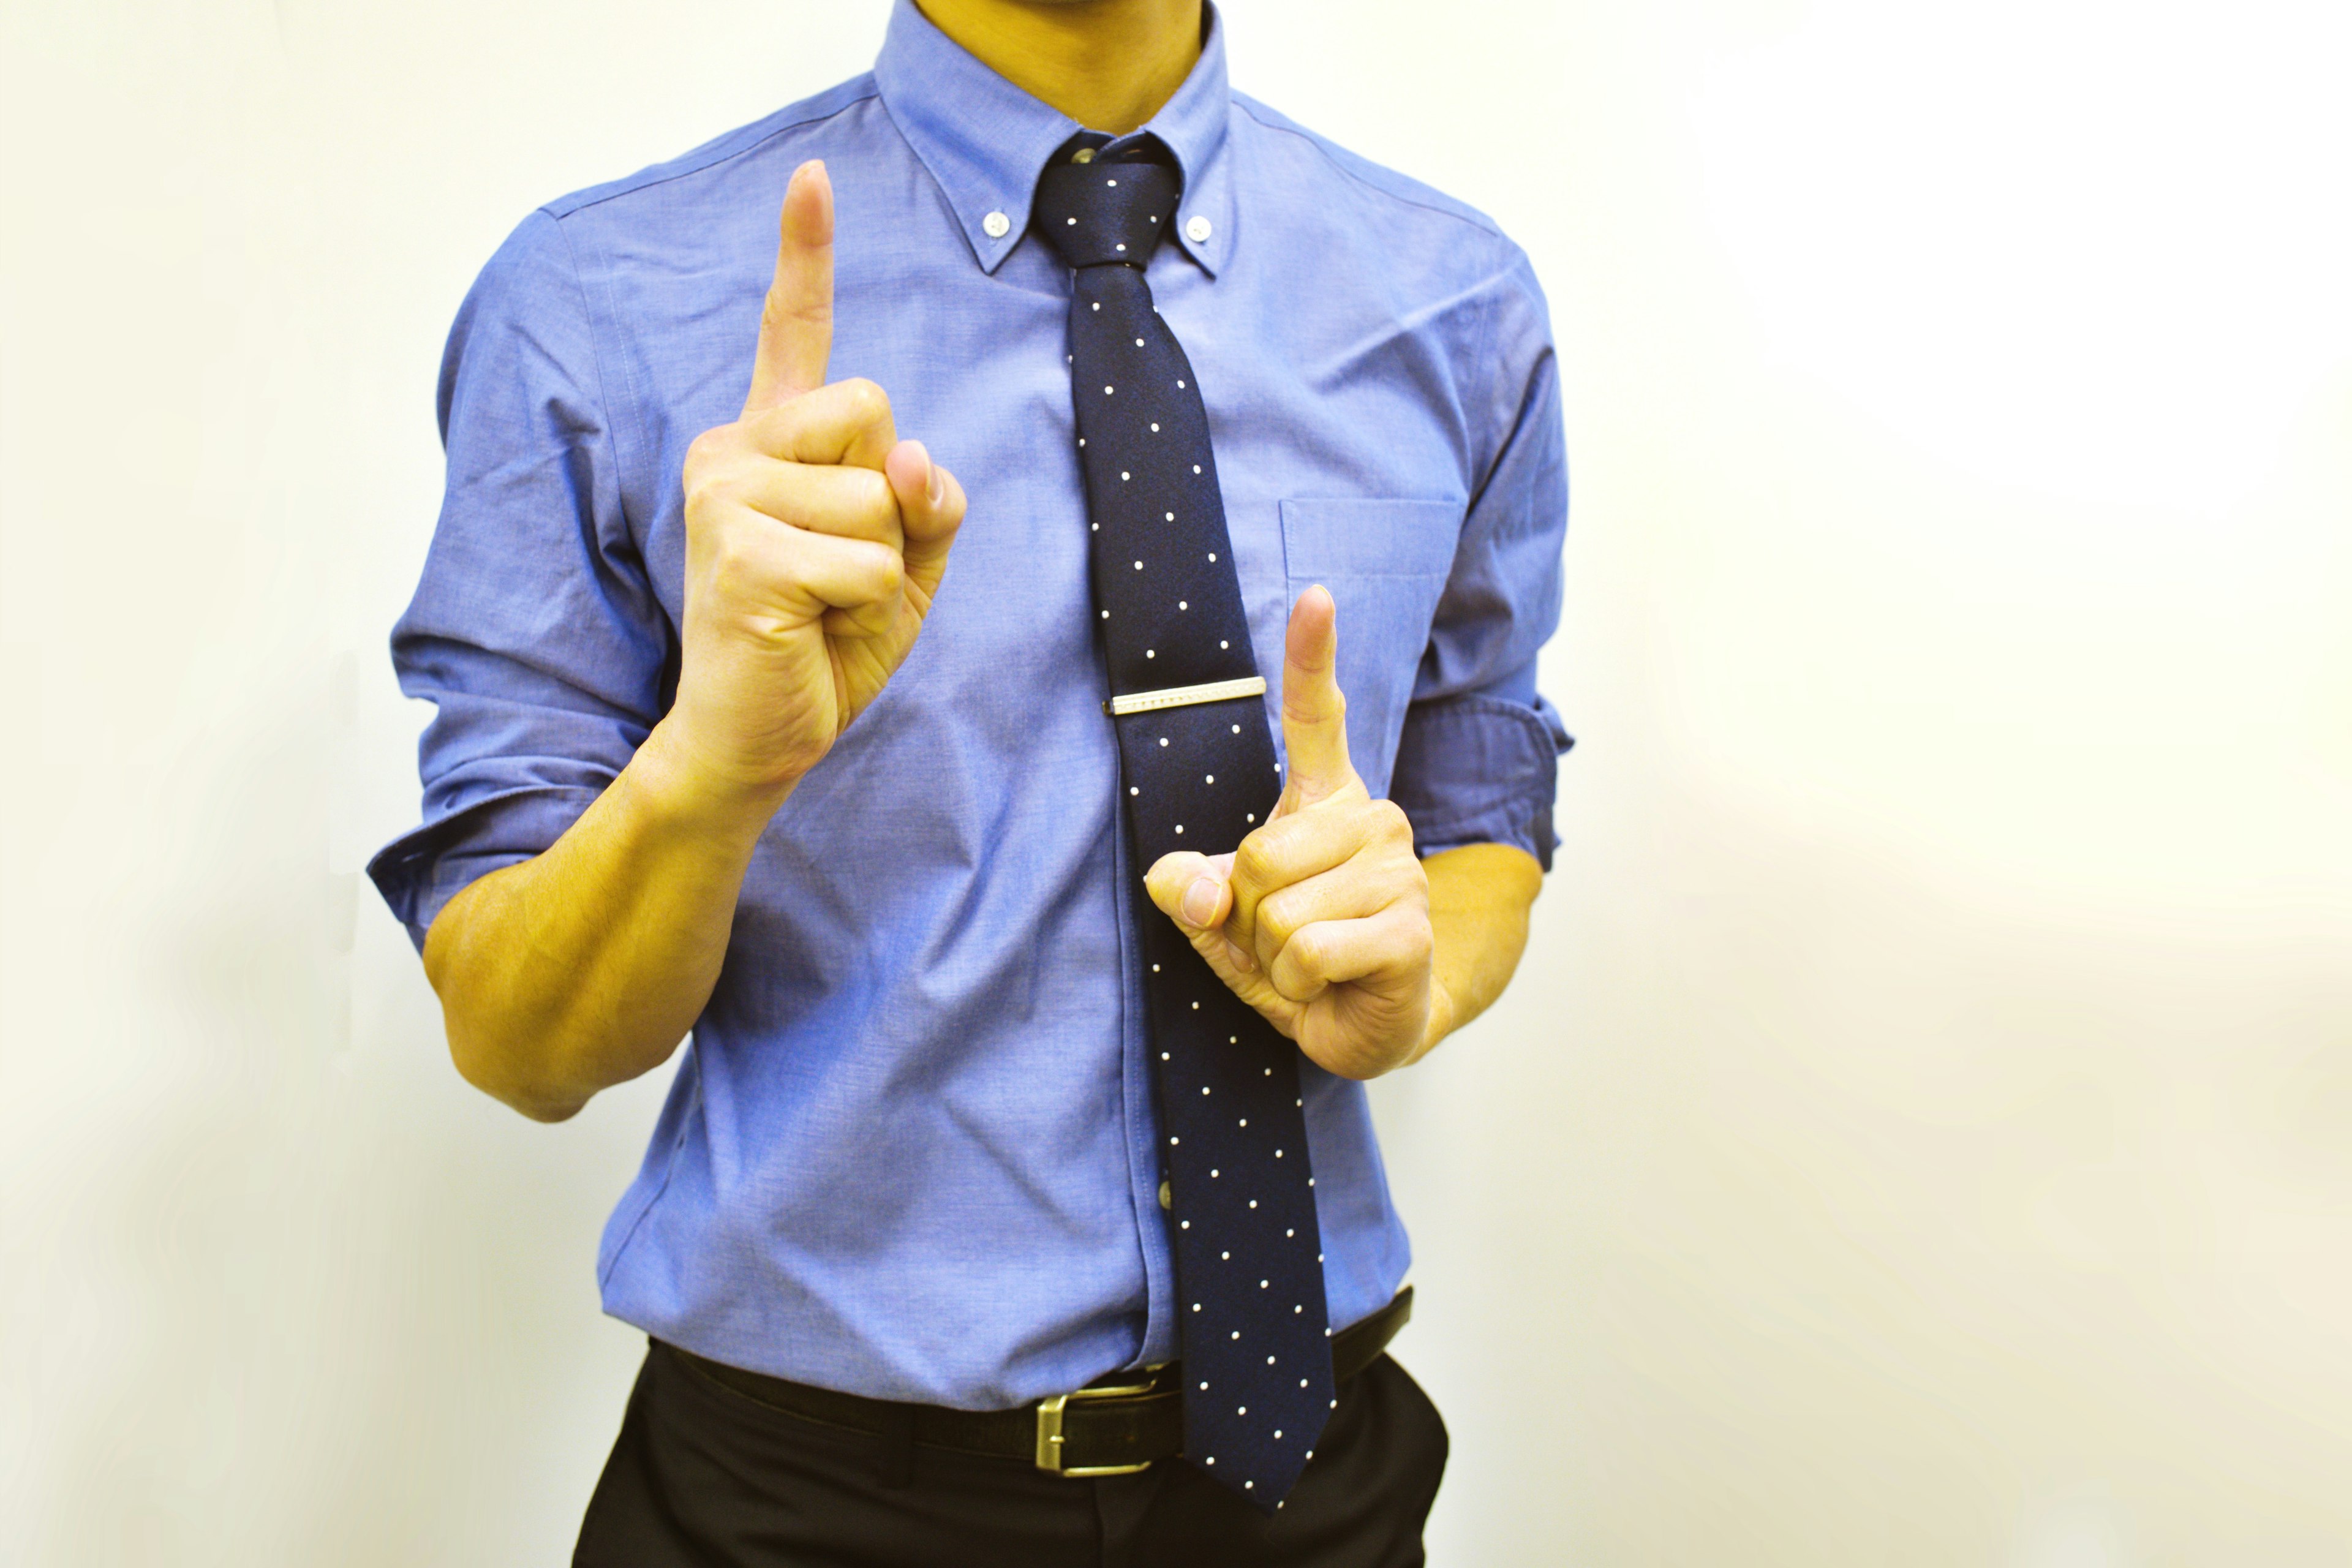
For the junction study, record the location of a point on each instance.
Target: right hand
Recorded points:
(815, 539)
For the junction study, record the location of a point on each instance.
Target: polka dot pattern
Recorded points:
(1247, 1245)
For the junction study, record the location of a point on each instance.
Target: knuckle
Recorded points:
(719, 488)
(1254, 861)
(873, 505)
(873, 577)
(865, 402)
(782, 311)
(1306, 705)
(733, 564)
(1276, 921)
(706, 456)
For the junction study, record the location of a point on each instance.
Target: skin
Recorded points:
(1108, 64)
(1325, 919)
(817, 541)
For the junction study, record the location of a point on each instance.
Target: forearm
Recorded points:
(1479, 896)
(584, 967)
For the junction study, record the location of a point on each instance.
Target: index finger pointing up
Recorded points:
(1314, 713)
(796, 322)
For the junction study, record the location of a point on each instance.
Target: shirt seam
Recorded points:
(603, 395)
(1526, 816)
(1500, 441)
(630, 187)
(1520, 800)
(1482, 225)
(602, 379)
(1490, 306)
(653, 1199)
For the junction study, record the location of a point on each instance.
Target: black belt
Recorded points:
(1121, 1423)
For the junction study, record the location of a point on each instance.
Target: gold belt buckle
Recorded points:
(1049, 1429)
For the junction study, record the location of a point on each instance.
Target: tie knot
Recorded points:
(1104, 214)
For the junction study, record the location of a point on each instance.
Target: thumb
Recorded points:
(1193, 890)
(1196, 891)
(931, 506)
(1314, 710)
(796, 322)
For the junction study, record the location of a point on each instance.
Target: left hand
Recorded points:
(1319, 920)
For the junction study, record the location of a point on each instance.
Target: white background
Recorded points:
(1921, 1131)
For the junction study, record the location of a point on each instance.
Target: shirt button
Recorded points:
(996, 224)
(1196, 229)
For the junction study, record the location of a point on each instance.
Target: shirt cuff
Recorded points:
(420, 871)
(1476, 769)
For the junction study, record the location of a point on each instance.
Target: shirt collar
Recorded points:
(985, 140)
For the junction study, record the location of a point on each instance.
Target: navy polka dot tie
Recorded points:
(1197, 772)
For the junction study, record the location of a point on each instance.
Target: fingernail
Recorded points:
(1240, 957)
(1200, 902)
(934, 486)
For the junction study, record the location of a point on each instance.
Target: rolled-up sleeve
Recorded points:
(1478, 759)
(534, 630)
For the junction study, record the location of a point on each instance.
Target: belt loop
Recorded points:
(894, 1449)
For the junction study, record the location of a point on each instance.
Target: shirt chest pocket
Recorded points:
(1385, 563)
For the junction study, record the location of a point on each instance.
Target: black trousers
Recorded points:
(706, 1476)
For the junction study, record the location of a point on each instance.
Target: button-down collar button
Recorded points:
(1196, 229)
(996, 224)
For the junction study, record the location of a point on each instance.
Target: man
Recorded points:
(746, 728)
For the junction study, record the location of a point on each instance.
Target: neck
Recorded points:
(1107, 64)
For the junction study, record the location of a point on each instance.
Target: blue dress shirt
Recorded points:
(910, 1150)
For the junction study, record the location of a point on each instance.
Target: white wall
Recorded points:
(1922, 1131)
